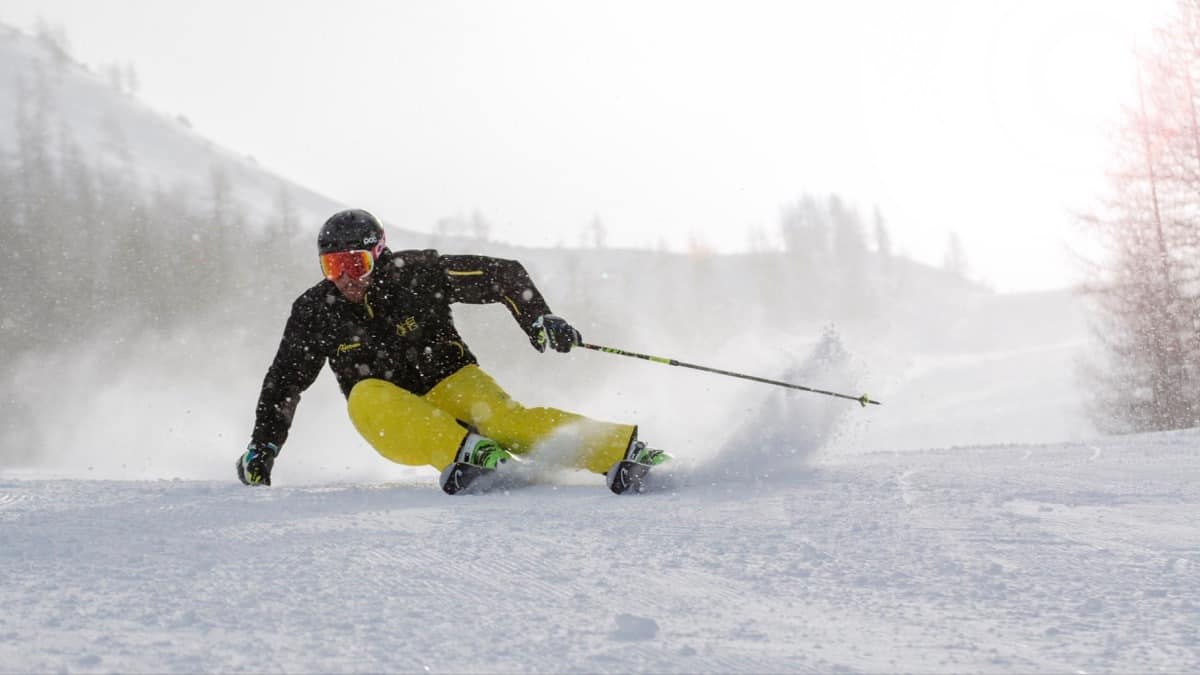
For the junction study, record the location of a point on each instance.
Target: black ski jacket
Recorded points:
(402, 332)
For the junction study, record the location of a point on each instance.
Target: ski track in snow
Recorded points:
(1063, 558)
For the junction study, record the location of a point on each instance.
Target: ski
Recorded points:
(627, 475)
(463, 478)
(460, 476)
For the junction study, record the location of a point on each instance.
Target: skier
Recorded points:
(414, 390)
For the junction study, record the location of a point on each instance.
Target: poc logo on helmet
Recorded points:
(370, 240)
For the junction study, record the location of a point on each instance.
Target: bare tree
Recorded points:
(481, 228)
(133, 83)
(596, 233)
(883, 238)
(1146, 289)
(286, 223)
(955, 259)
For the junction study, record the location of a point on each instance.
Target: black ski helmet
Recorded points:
(351, 230)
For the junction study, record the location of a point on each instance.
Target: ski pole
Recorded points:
(862, 400)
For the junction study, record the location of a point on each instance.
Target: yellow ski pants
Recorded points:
(420, 430)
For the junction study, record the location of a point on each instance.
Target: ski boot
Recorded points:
(477, 456)
(630, 472)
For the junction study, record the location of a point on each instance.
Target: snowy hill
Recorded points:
(126, 136)
(1009, 559)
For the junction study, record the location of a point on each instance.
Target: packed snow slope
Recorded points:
(793, 537)
(1018, 558)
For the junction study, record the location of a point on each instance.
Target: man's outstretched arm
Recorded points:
(477, 279)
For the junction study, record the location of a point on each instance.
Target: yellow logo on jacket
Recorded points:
(408, 325)
(349, 347)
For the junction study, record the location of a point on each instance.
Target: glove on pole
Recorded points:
(862, 400)
(553, 332)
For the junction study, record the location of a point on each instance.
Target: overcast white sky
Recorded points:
(666, 120)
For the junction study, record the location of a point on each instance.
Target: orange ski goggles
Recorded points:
(353, 264)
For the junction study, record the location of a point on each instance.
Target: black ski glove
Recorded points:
(553, 332)
(254, 466)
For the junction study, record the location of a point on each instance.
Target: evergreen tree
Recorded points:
(53, 39)
(849, 240)
(806, 231)
(857, 293)
(86, 248)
